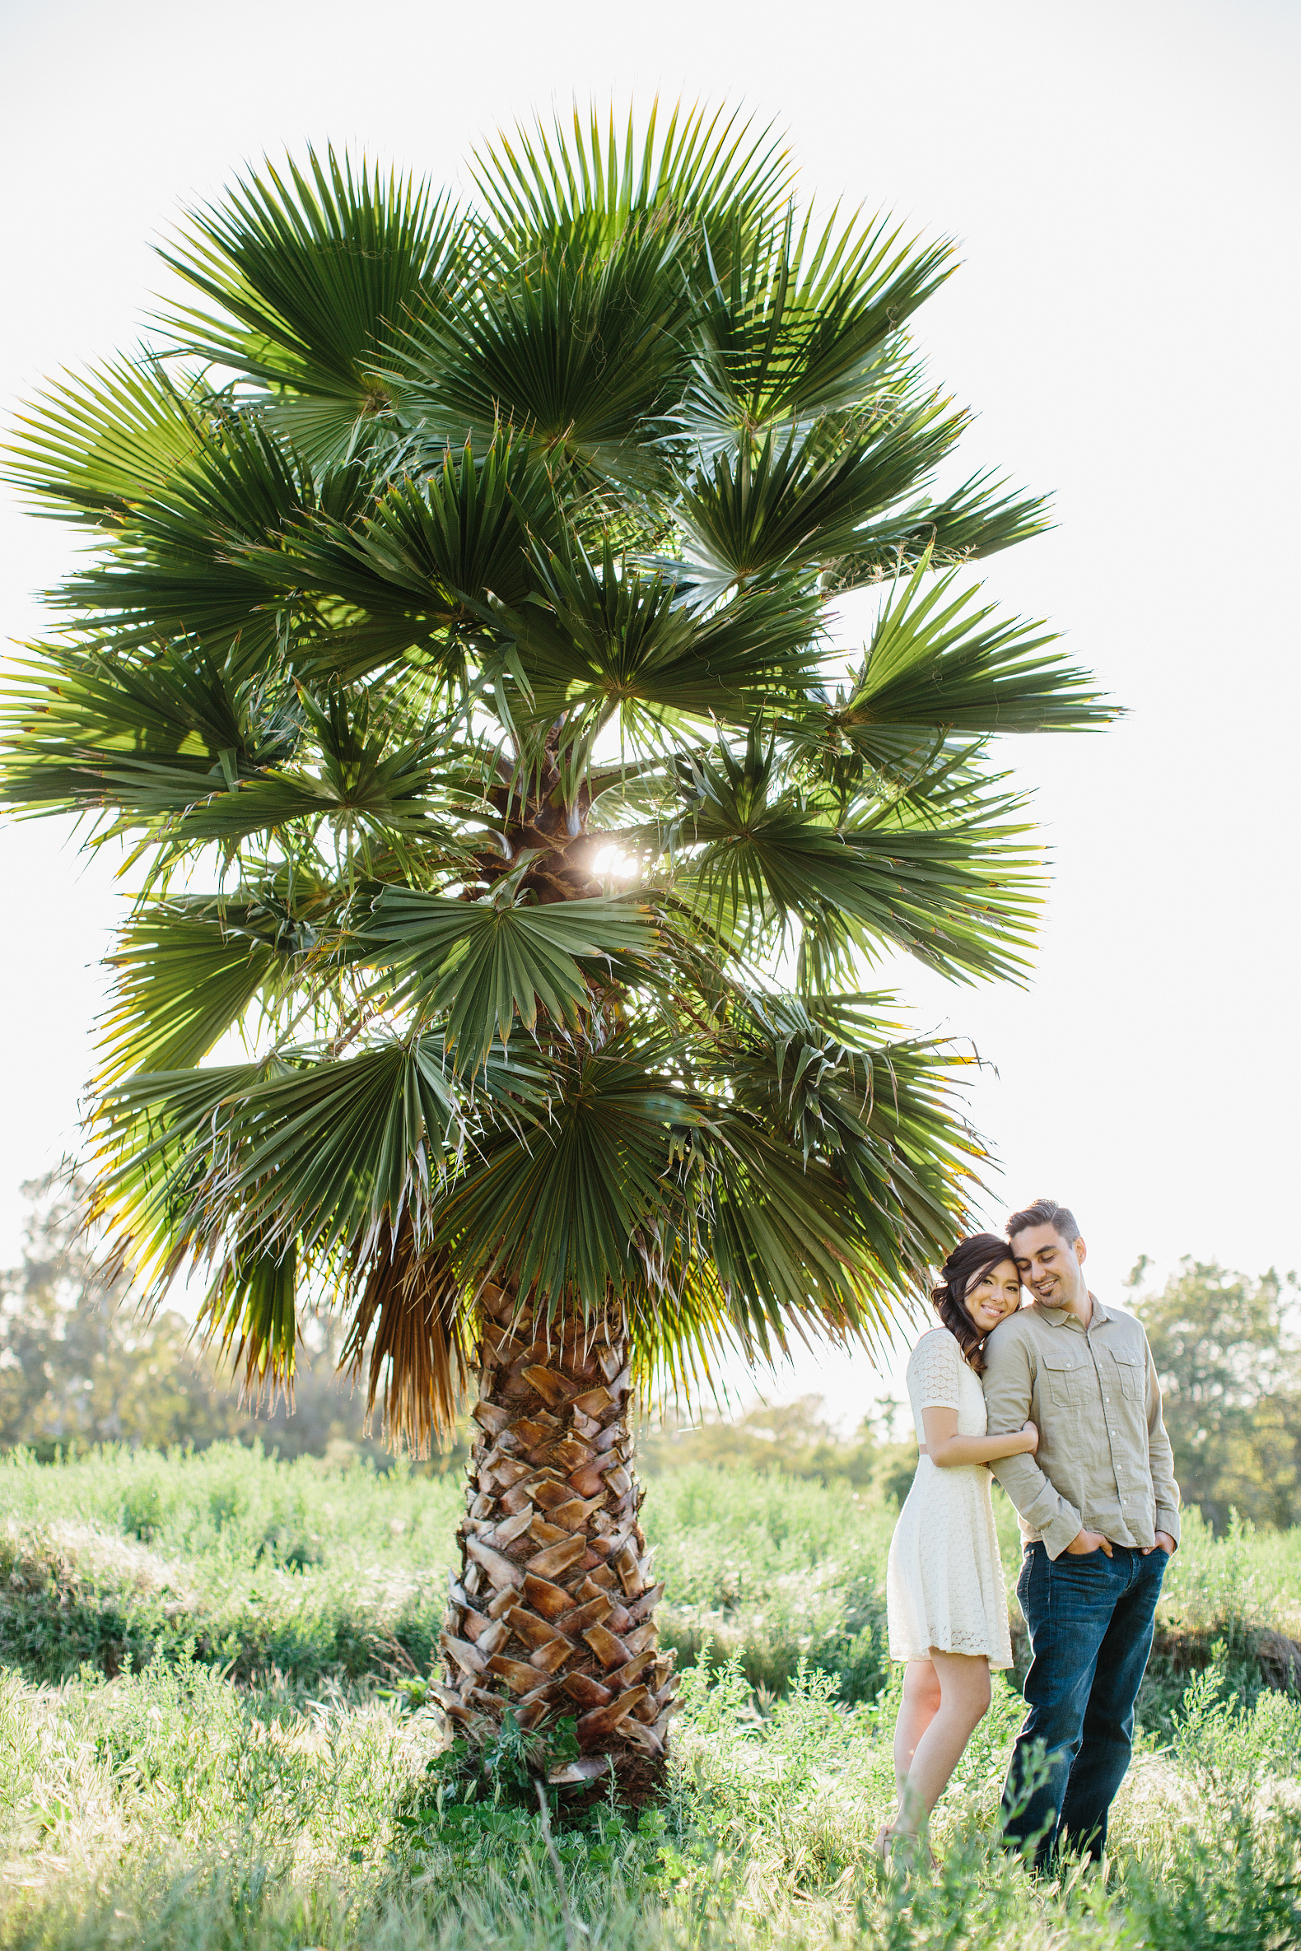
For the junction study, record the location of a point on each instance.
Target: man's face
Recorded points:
(1049, 1266)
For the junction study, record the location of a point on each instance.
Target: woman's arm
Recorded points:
(945, 1447)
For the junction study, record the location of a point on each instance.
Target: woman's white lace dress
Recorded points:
(944, 1583)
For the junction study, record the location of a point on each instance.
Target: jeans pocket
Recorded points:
(1087, 1561)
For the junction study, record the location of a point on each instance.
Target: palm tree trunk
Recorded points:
(553, 1612)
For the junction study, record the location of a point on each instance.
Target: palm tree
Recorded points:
(453, 657)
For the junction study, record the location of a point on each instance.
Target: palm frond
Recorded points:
(186, 970)
(183, 560)
(575, 351)
(618, 642)
(949, 873)
(312, 271)
(365, 777)
(839, 1083)
(250, 1313)
(431, 552)
(802, 501)
(824, 1185)
(412, 1317)
(300, 1170)
(785, 1248)
(935, 663)
(488, 962)
(79, 726)
(312, 1149)
(973, 522)
(804, 325)
(572, 1205)
(713, 171)
(94, 447)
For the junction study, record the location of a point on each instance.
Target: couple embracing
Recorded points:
(1060, 1399)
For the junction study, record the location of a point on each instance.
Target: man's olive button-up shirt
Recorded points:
(1104, 1459)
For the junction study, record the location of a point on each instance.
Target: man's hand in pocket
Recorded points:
(1087, 1541)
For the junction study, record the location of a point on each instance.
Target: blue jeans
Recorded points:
(1090, 1620)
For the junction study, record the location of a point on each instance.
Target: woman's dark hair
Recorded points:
(968, 1264)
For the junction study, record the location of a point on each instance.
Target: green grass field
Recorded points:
(212, 1732)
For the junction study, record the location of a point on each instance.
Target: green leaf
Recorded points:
(488, 962)
(312, 272)
(804, 326)
(620, 644)
(187, 755)
(184, 976)
(949, 875)
(366, 776)
(80, 728)
(804, 500)
(543, 190)
(251, 1304)
(935, 664)
(867, 1120)
(431, 553)
(191, 561)
(575, 351)
(563, 1205)
(972, 522)
(311, 1148)
(99, 445)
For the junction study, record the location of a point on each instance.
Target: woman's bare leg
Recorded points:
(964, 1698)
(917, 1709)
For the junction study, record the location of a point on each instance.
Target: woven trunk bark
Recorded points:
(553, 1612)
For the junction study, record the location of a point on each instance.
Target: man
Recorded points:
(1099, 1511)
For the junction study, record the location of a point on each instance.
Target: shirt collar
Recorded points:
(1057, 1315)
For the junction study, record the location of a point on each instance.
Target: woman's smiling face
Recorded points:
(994, 1296)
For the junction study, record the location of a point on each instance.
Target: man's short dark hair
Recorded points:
(1045, 1212)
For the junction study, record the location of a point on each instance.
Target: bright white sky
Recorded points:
(1123, 182)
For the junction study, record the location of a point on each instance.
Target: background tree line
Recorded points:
(80, 1366)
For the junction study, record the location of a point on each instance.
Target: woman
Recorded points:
(945, 1597)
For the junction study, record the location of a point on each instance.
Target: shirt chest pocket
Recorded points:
(1067, 1375)
(1131, 1376)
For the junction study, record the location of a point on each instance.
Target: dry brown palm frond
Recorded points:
(410, 1301)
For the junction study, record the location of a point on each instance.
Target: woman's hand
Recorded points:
(1031, 1435)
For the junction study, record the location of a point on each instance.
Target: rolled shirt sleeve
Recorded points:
(1010, 1400)
(1161, 1460)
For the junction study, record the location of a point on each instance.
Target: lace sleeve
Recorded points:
(933, 1371)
